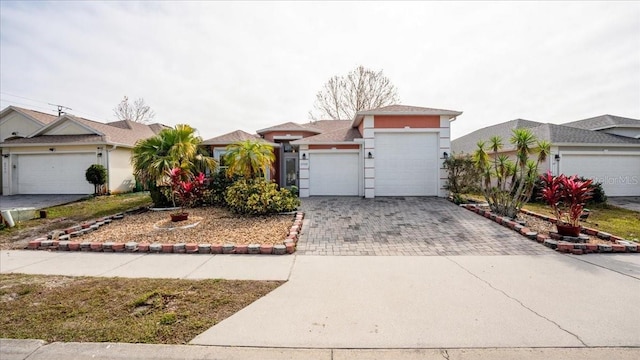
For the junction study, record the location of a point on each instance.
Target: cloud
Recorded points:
(222, 66)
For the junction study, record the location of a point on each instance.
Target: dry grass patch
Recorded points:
(85, 309)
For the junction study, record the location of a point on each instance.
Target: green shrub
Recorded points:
(159, 197)
(218, 185)
(96, 175)
(259, 197)
(462, 176)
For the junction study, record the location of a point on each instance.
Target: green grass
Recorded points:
(91, 208)
(608, 218)
(85, 309)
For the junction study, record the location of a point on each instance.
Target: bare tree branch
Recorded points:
(139, 111)
(361, 89)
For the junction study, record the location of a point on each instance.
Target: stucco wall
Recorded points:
(18, 123)
(120, 171)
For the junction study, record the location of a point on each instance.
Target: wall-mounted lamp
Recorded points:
(557, 157)
(304, 156)
(370, 155)
(52, 149)
(445, 155)
(5, 155)
(99, 154)
(14, 133)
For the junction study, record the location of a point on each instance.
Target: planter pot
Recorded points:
(179, 217)
(568, 230)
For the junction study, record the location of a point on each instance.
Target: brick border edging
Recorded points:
(618, 244)
(60, 240)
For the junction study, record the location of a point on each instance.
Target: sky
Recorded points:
(223, 66)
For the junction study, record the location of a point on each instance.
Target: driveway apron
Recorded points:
(396, 226)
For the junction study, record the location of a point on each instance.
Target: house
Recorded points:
(604, 148)
(47, 154)
(395, 150)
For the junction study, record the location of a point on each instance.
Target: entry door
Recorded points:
(290, 172)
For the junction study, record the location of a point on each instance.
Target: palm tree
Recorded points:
(153, 158)
(249, 158)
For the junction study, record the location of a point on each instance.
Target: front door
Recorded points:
(290, 172)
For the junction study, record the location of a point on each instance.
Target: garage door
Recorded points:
(619, 174)
(406, 164)
(54, 173)
(333, 174)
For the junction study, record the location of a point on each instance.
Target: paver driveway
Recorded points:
(403, 226)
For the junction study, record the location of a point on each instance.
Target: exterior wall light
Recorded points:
(52, 149)
(445, 155)
(370, 155)
(99, 154)
(304, 156)
(556, 157)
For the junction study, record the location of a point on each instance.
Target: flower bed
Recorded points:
(210, 231)
(590, 240)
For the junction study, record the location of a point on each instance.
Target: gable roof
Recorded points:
(604, 122)
(124, 133)
(328, 125)
(230, 138)
(340, 135)
(403, 110)
(554, 133)
(290, 126)
(36, 116)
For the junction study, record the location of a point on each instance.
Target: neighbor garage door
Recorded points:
(333, 174)
(619, 174)
(54, 173)
(406, 164)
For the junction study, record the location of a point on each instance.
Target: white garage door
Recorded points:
(54, 173)
(333, 174)
(406, 164)
(619, 174)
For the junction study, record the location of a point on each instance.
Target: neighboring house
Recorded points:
(604, 148)
(395, 150)
(47, 154)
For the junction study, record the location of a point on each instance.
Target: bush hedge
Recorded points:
(259, 197)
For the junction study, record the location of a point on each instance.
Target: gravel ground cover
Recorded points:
(544, 227)
(205, 226)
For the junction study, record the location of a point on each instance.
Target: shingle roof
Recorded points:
(328, 125)
(57, 139)
(38, 116)
(603, 122)
(467, 143)
(343, 134)
(230, 138)
(406, 109)
(125, 132)
(555, 134)
(290, 126)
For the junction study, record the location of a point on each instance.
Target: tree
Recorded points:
(507, 185)
(153, 158)
(96, 174)
(250, 158)
(361, 89)
(139, 111)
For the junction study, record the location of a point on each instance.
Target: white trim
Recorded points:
(603, 152)
(407, 130)
(287, 137)
(332, 151)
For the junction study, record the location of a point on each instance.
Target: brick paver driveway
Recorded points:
(404, 226)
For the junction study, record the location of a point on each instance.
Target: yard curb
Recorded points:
(60, 240)
(618, 244)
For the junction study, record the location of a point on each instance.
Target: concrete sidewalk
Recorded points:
(171, 266)
(36, 350)
(380, 307)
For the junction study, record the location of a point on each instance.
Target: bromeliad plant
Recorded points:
(566, 196)
(186, 187)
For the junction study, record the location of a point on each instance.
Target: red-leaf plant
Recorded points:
(186, 187)
(566, 196)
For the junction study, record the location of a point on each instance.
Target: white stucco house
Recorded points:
(48, 154)
(396, 150)
(604, 148)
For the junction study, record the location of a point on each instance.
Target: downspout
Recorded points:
(113, 147)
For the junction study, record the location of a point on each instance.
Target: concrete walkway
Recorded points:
(8, 202)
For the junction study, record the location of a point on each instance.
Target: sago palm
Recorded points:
(249, 158)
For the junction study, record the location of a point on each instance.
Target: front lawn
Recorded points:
(60, 217)
(86, 309)
(607, 218)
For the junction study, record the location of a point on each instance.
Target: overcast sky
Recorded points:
(222, 66)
